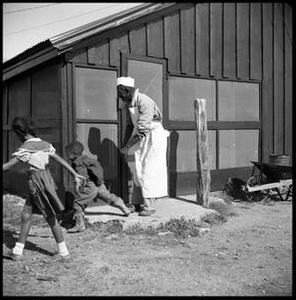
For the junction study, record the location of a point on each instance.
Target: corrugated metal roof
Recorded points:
(28, 52)
(68, 38)
(63, 41)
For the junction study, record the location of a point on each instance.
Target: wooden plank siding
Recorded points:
(79, 56)
(255, 41)
(278, 79)
(243, 40)
(187, 20)
(229, 41)
(91, 55)
(103, 54)
(172, 42)
(216, 41)
(118, 45)
(288, 113)
(137, 37)
(35, 94)
(155, 32)
(267, 83)
(202, 39)
(235, 41)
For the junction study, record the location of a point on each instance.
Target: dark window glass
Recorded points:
(95, 94)
(238, 101)
(100, 142)
(238, 148)
(186, 151)
(183, 92)
(148, 78)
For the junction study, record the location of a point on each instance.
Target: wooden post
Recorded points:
(203, 172)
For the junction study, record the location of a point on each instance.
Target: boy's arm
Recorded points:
(96, 169)
(60, 160)
(10, 164)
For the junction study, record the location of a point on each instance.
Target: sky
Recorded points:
(27, 24)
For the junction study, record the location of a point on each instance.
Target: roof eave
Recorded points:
(70, 38)
(24, 62)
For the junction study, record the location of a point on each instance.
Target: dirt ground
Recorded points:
(249, 255)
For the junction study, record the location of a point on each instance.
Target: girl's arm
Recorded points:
(10, 163)
(68, 167)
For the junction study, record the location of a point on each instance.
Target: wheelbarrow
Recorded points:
(268, 178)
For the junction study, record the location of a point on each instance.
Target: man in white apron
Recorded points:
(148, 143)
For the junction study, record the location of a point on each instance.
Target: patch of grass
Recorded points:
(225, 211)
(137, 229)
(12, 209)
(107, 228)
(181, 228)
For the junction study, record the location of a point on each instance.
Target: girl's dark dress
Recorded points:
(44, 199)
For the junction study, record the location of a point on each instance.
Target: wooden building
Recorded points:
(238, 56)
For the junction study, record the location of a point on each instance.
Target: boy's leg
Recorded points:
(78, 218)
(111, 198)
(87, 195)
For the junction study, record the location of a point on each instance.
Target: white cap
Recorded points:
(126, 81)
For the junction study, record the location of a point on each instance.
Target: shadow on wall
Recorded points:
(172, 162)
(110, 158)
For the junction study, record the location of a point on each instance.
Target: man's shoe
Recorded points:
(131, 207)
(76, 229)
(125, 211)
(147, 213)
(14, 256)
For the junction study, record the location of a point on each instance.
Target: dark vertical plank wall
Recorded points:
(288, 34)
(239, 41)
(35, 94)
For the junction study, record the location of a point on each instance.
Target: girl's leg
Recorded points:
(58, 235)
(26, 221)
(55, 228)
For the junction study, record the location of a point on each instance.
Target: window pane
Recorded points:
(99, 141)
(183, 92)
(184, 144)
(148, 78)
(96, 94)
(238, 101)
(238, 148)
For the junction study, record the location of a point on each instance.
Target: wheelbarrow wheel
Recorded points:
(253, 196)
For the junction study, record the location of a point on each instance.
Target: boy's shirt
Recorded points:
(89, 168)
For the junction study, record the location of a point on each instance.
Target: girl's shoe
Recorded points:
(60, 258)
(14, 256)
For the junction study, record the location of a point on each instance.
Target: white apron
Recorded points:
(150, 168)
